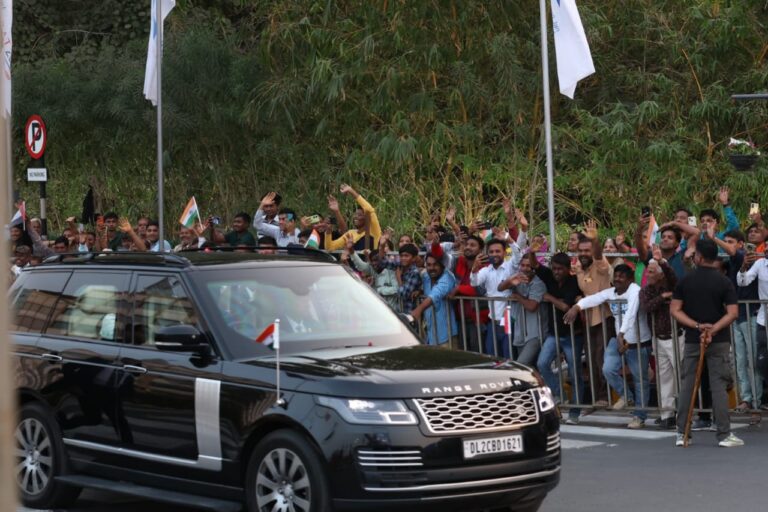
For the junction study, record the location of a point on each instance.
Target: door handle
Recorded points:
(52, 358)
(134, 369)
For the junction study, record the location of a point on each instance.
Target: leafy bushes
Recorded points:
(420, 104)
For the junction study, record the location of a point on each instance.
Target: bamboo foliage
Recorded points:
(422, 105)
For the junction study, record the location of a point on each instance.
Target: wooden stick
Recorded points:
(696, 383)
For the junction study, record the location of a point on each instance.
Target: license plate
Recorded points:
(492, 445)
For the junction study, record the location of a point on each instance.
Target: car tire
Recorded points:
(39, 459)
(284, 468)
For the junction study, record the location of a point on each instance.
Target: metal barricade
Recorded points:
(658, 394)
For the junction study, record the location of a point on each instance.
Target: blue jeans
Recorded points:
(638, 366)
(746, 355)
(502, 342)
(549, 353)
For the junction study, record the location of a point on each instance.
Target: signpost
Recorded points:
(36, 139)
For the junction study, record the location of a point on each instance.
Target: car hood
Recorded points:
(404, 372)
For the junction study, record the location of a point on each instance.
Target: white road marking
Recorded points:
(574, 444)
(616, 432)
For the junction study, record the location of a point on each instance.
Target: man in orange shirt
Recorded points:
(593, 273)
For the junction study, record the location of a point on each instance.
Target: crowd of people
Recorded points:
(497, 290)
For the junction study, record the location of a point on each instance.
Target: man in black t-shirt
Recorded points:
(704, 302)
(562, 293)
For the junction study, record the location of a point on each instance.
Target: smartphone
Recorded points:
(80, 228)
(754, 208)
(692, 221)
(486, 225)
(100, 221)
(750, 247)
(646, 211)
(216, 220)
(314, 219)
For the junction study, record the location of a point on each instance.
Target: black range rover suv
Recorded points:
(139, 373)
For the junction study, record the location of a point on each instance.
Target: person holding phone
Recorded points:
(752, 281)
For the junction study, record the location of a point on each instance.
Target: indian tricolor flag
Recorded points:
(270, 337)
(486, 235)
(313, 242)
(20, 217)
(507, 321)
(191, 215)
(653, 231)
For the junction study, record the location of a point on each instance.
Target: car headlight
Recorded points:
(544, 398)
(370, 412)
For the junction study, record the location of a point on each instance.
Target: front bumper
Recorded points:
(381, 468)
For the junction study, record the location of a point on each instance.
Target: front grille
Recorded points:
(478, 413)
(389, 459)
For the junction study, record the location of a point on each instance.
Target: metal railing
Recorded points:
(584, 387)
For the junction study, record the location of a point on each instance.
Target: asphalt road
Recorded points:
(607, 467)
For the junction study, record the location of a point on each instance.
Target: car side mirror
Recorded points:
(180, 338)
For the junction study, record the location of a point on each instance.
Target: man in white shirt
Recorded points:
(490, 277)
(270, 203)
(752, 269)
(632, 344)
(285, 232)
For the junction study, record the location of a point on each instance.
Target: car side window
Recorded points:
(93, 307)
(159, 301)
(37, 293)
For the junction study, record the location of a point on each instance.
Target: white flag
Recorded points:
(7, 47)
(150, 74)
(574, 61)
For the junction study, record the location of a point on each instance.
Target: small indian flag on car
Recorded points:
(313, 242)
(191, 215)
(270, 337)
(507, 321)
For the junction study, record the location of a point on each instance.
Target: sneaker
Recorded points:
(619, 404)
(668, 423)
(680, 440)
(572, 421)
(601, 404)
(731, 441)
(636, 423)
(700, 425)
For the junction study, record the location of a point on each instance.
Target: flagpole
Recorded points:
(547, 124)
(159, 70)
(9, 164)
(7, 397)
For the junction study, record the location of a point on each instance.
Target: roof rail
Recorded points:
(290, 250)
(134, 258)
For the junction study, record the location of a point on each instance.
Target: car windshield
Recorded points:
(319, 307)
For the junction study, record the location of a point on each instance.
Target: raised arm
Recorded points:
(375, 227)
(341, 222)
(731, 220)
(640, 243)
(591, 233)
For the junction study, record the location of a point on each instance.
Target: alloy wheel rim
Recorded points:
(34, 457)
(282, 483)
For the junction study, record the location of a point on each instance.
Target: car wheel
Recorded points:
(40, 458)
(284, 475)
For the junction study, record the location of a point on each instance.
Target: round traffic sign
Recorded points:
(35, 136)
